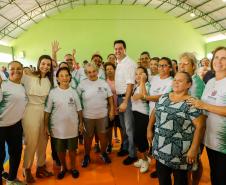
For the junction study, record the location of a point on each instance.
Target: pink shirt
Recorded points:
(113, 90)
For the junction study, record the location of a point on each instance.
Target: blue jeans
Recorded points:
(127, 124)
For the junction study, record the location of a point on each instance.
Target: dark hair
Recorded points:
(63, 69)
(110, 55)
(109, 64)
(85, 62)
(48, 74)
(145, 53)
(168, 60)
(120, 42)
(15, 61)
(188, 76)
(64, 63)
(97, 55)
(69, 54)
(173, 60)
(145, 71)
(155, 58)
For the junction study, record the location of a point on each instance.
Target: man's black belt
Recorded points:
(121, 95)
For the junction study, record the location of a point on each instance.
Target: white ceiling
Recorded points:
(16, 16)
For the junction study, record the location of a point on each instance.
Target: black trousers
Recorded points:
(217, 162)
(164, 175)
(54, 152)
(12, 135)
(140, 137)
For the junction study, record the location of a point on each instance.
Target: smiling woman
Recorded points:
(37, 87)
(12, 105)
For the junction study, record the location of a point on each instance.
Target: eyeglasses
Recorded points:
(184, 63)
(67, 60)
(163, 65)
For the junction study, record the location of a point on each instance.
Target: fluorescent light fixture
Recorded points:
(224, 1)
(44, 14)
(4, 43)
(209, 55)
(192, 14)
(216, 38)
(4, 57)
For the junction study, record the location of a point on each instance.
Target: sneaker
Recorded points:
(122, 153)
(109, 149)
(15, 182)
(129, 160)
(61, 174)
(144, 166)
(75, 173)
(154, 174)
(5, 175)
(105, 158)
(97, 148)
(138, 163)
(86, 161)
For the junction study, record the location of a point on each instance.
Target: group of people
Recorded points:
(163, 109)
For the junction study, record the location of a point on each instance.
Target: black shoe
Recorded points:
(61, 174)
(154, 174)
(129, 160)
(97, 148)
(75, 173)
(5, 175)
(122, 153)
(109, 149)
(86, 161)
(105, 158)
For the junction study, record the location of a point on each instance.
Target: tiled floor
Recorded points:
(115, 173)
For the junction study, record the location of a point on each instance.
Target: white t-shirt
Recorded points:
(94, 96)
(140, 105)
(63, 105)
(158, 87)
(215, 134)
(13, 100)
(149, 74)
(2, 75)
(124, 75)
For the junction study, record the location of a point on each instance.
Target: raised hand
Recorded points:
(55, 46)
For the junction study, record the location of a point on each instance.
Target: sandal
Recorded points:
(41, 172)
(28, 176)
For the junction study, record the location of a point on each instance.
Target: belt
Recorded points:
(121, 95)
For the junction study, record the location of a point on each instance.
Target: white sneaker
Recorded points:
(138, 163)
(144, 166)
(15, 182)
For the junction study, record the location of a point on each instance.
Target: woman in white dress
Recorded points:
(37, 86)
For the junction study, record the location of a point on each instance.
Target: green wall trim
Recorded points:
(91, 29)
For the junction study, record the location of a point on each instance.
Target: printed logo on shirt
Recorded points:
(71, 101)
(213, 95)
(100, 90)
(157, 90)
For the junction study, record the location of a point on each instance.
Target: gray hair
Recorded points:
(190, 56)
(90, 65)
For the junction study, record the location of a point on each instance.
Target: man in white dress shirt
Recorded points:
(124, 81)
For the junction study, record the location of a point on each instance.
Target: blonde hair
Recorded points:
(191, 57)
